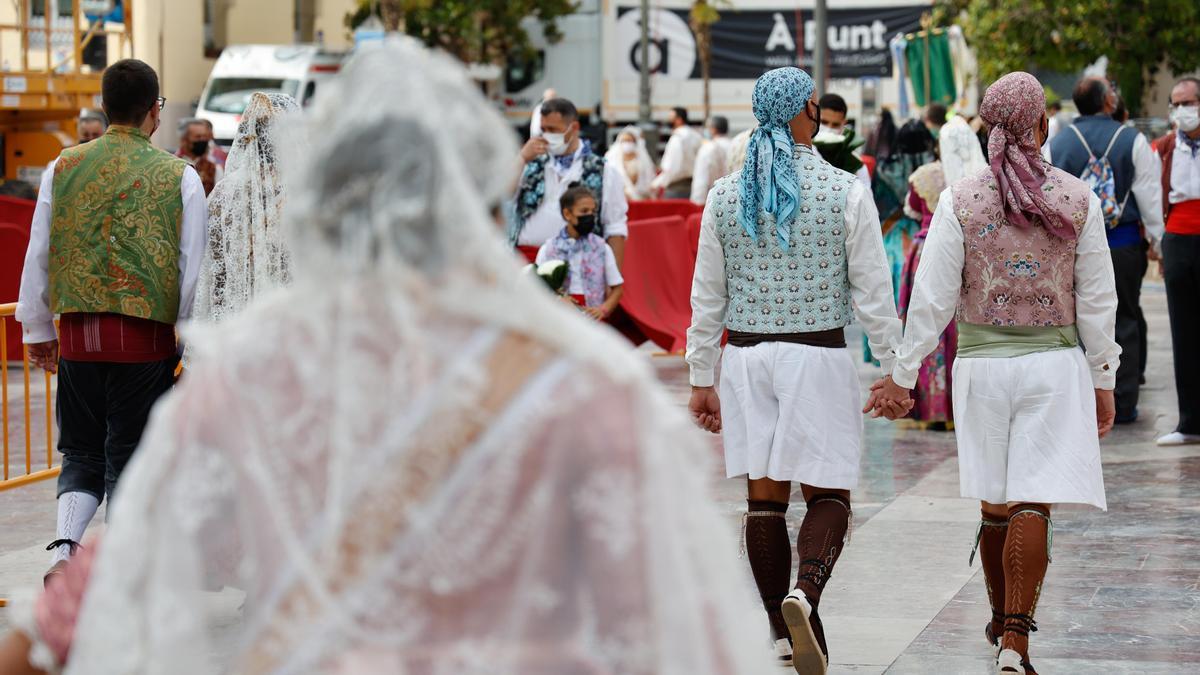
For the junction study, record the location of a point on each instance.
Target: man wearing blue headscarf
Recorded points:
(785, 246)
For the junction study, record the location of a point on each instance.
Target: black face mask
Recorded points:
(585, 225)
(199, 148)
(815, 120)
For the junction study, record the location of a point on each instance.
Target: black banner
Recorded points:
(747, 43)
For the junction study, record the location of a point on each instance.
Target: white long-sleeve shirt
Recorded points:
(679, 157)
(711, 162)
(868, 272)
(547, 221)
(33, 305)
(1185, 172)
(938, 285)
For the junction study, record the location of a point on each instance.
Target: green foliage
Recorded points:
(475, 31)
(1136, 35)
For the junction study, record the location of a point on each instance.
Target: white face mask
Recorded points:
(1186, 117)
(628, 147)
(557, 142)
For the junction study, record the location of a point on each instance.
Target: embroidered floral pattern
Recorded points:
(114, 228)
(801, 288)
(1016, 276)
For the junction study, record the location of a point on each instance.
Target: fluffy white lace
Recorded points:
(246, 253)
(433, 467)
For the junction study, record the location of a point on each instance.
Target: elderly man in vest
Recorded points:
(115, 249)
(1134, 230)
(790, 250)
(1019, 250)
(1180, 152)
(554, 161)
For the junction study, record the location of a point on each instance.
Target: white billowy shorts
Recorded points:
(1026, 429)
(792, 413)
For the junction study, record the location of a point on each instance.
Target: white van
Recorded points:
(296, 70)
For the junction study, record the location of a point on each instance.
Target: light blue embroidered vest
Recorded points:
(805, 288)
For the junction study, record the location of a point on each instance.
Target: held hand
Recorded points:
(44, 355)
(705, 408)
(1106, 411)
(889, 400)
(535, 147)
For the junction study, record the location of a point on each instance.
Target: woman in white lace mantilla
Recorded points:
(246, 253)
(476, 480)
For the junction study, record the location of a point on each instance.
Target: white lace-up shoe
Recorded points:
(807, 657)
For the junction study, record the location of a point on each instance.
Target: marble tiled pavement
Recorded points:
(1122, 595)
(1123, 592)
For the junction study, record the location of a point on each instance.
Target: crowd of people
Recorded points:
(422, 496)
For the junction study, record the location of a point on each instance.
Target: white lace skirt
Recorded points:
(791, 413)
(1026, 429)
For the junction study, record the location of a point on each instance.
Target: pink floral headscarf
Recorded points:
(1014, 106)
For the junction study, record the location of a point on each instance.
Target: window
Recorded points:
(522, 73)
(231, 95)
(37, 8)
(214, 28)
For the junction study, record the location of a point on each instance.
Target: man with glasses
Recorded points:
(114, 249)
(1180, 152)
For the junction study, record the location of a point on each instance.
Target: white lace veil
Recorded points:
(246, 254)
(646, 168)
(959, 150)
(434, 467)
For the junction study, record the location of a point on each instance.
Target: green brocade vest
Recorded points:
(115, 225)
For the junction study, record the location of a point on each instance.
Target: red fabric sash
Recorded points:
(113, 338)
(1184, 218)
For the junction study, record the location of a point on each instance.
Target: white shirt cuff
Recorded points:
(905, 377)
(35, 333)
(1105, 377)
(702, 378)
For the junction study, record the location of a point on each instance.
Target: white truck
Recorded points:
(751, 37)
(241, 70)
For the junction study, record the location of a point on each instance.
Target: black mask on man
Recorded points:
(815, 120)
(199, 148)
(585, 225)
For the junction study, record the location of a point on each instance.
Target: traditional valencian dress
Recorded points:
(115, 249)
(790, 251)
(932, 392)
(1018, 253)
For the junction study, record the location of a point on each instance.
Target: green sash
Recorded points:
(1005, 342)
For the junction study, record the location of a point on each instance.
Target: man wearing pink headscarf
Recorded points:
(1017, 253)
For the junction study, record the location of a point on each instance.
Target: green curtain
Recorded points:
(941, 71)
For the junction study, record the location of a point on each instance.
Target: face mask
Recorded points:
(816, 120)
(584, 225)
(628, 147)
(1186, 117)
(557, 142)
(199, 148)
(708, 134)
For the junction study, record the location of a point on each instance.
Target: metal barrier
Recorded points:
(13, 475)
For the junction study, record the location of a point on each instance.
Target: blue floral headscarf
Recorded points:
(769, 181)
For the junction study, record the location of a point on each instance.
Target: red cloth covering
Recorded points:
(16, 215)
(869, 162)
(662, 208)
(659, 262)
(1184, 218)
(530, 252)
(113, 338)
(693, 226)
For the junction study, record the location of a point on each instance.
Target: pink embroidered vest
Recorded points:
(1014, 276)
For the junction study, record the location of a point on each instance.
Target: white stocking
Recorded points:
(75, 511)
